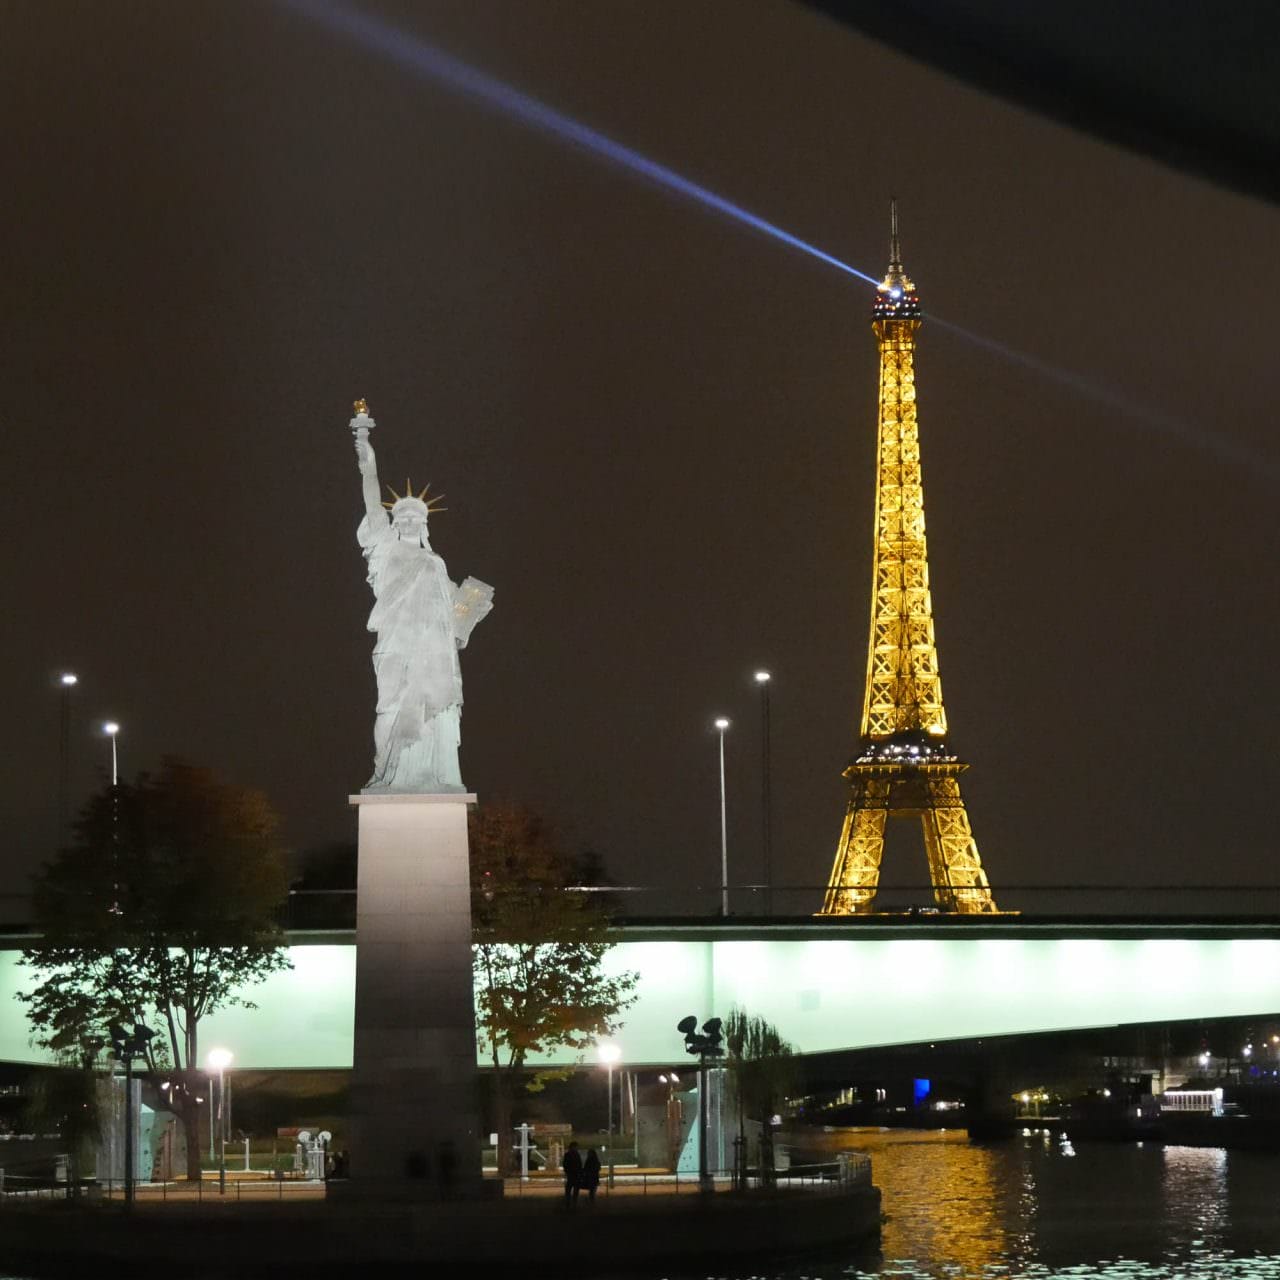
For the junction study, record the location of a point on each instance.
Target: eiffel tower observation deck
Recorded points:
(903, 767)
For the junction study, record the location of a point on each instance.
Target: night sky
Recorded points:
(655, 428)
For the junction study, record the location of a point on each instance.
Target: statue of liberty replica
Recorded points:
(421, 619)
(413, 1125)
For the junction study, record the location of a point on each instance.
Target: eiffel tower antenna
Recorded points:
(895, 253)
(903, 767)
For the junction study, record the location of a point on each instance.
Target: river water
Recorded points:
(1038, 1207)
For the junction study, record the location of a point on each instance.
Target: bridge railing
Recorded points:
(335, 909)
(319, 909)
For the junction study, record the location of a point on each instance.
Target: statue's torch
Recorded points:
(362, 423)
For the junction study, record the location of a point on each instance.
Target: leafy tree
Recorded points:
(538, 951)
(762, 1066)
(163, 909)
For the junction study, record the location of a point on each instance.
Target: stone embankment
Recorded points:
(275, 1239)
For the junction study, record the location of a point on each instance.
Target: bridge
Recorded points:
(828, 985)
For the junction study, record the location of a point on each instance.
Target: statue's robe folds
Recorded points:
(421, 620)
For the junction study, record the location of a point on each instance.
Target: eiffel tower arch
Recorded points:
(903, 767)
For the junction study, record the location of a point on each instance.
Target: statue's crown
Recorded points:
(409, 501)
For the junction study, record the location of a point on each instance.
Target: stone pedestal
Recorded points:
(413, 1124)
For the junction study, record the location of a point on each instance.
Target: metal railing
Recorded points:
(319, 910)
(335, 909)
(18, 1189)
(851, 1169)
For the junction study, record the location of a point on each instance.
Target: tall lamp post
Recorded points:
(112, 730)
(703, 1045)
(763, 679)
(609, 1054)
(722, 724)
(66, 682)
(127, 1045)
(219, 1060)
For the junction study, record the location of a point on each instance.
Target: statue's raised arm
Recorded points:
(367, 461)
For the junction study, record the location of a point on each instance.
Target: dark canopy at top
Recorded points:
(1196, 86)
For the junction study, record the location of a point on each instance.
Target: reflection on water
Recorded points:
(1039, 1208)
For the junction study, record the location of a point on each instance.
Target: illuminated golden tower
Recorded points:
(903, 768)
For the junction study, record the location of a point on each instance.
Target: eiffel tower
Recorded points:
(903, 767)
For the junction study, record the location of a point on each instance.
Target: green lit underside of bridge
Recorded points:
(826, 987)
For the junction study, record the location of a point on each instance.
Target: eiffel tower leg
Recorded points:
(955, 869)
(856, 872)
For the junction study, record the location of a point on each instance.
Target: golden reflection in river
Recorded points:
(955, 1207)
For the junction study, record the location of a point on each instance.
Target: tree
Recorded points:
(763, 1068)
(162, 910)
(539, 945)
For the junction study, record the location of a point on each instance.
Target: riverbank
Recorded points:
(315, 1237)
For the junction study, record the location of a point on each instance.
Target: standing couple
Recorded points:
(580, 1174)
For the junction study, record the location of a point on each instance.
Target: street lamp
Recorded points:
(703, 1045)
(111, 729)
(763, 679)
(722, 724)
(219, 1060)
(66, 682)
(127, 1045)
(609, 1054)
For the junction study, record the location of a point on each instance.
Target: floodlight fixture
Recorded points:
(687, 1026)
(68, 678)
(763, 677)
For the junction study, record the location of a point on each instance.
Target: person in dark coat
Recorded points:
(591, 1174)
(572, 1166)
